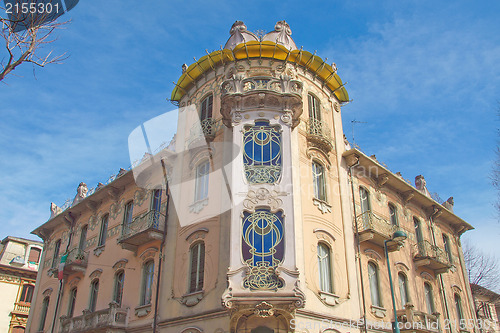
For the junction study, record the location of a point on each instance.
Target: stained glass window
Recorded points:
(263, 248)
(262, 153)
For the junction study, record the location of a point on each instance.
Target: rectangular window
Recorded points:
(147, 282)
(94, 291)
(71, 301)
(34, 255)
(55, 256)
(314, 107)
(319, 181)
(201, 185)
(325, 268)
(43, 313)
(197, 267)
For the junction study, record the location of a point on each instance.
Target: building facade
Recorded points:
(19, 261)
(487, 307)
(270, 221)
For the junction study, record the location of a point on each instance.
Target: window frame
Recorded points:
(458, 307)
(447, 247)
(94, 294)
(72, 301)
(196, 268)
(24, 292)
(429, 298)
(118, 287)
(417, 224)
(393, 214)
(82, 244)
(201, 180)
(147, 282)
(314, 107)
(128, 212)
(207, 107)
(55, 254)
(319, 181)
(33, 249)
(103, 230)
(325, 268)
(43, 313)
(374, 293)
(403, 289)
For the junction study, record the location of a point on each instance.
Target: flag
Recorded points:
(61, 266)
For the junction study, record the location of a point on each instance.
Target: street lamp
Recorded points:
(397, 237)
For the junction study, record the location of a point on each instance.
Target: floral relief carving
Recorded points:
(116, 208)
(262, 197)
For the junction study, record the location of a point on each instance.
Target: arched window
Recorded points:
(325, 268)
(262, 153)
(206, 108)
(127, 215)
(393, 213)
(43, 313)
(34, 256)
(94, 291)
(197, 267)
(447, 248)
(403, 289)
(429, 298)
(262, 248)
(374, 284)
(57, 248)
(118, 290)
(26, 293)
(104, 230)
(147, 282)
(319, 181)
(71, 302)
(418, 230)
(314, 107)
(83, 238)
(201, 184)
(458, 307)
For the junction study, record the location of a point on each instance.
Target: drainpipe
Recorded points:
(440, 278)
(358, 246)
(61, 282)
(160, 256)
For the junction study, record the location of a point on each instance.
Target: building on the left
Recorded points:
(19, 261)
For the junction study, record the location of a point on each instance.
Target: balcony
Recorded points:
(417, 321)
(76, 261)
(374, 229)
(205, 131)
(143, 229)
(431, 257)
(106, 320)
(21, 308)
(319, 135)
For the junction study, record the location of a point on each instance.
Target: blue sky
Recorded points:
(424, 77)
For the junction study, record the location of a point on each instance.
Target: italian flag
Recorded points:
(61, 266)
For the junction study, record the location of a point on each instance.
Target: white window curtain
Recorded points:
(325, 268)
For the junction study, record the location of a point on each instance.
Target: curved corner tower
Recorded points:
(280, 107)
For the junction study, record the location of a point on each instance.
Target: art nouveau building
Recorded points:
(270, 222)
(19, 261)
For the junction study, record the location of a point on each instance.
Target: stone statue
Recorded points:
(81, 193)
(421, 185)
(448, 204)
(54, 210)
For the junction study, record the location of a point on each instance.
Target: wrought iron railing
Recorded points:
(150, 220)
(428, 250)
(370, 221)
(317, 129)
(78, 257)
(112, 317)
(418, 320)
(207, 128)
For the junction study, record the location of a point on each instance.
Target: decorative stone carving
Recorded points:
(328, 298)
(116, 208)
(184, 68)
(98, 250)
(262, 197)
(81, 193)
(192, 298)
(351, 160)
(239, 34)
(143, 310)
(281, 35)
(139, 196)
(95, 274)
(264, 310)
(378, 311)
(322, 206)
(448, 204)
(237, 117)
(421, 185)
(382, 179)
(54, 210)
(197, 206)
(286, 118)
(336, 106)
(407, 196)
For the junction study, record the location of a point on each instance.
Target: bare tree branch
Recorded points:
(483, 269)
(25, 36)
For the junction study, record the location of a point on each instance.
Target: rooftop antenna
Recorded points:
(354, 122)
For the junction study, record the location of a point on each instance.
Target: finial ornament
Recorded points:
(421, 185)
(281, 35)
(81, 193)
(239, 34)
